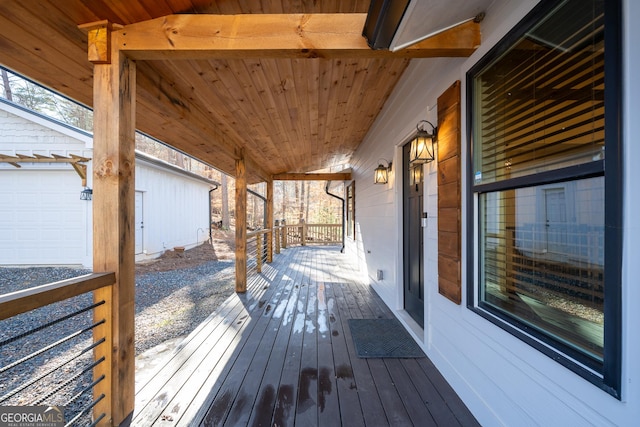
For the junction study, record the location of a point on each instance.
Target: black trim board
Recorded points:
(383, 19)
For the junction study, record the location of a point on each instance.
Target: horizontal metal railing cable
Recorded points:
(68, 357)
(51, 346)
(85, 412)
(68, 381)
(51, 371)
(252, 249)
(99, 417)
(86, 389)
(48, 324)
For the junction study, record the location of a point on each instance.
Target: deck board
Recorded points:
(370, 402)
(345, 382)
(286, 401)
(282, 355)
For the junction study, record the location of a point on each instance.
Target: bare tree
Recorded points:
(300, 200)
(74, 114)
(6, 85)
(306, 214)
(284, 200)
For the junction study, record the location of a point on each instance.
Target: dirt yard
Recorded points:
(223, 248)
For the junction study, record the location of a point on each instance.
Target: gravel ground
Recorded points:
(169, 304)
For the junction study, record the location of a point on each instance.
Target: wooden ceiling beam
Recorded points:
(337, 35)
(342, 176)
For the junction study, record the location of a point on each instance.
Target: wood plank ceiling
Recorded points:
(290, 115)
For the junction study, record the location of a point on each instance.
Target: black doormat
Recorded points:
(375, 338)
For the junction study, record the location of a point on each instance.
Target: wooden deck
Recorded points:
(282, 355)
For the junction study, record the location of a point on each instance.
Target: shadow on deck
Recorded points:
(282, 355)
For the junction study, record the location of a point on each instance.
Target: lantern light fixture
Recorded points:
(422, 145)
(86, 194)
(415, 175)
(381, 173)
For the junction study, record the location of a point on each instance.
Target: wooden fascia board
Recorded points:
(276, 36)
(344, 176)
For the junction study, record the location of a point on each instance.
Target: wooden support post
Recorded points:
(259, 252)
(113, 233)
(241, 225)
(269, 223)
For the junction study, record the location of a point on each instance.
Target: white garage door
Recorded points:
(42, 219)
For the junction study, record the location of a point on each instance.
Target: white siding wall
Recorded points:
(44, 222)
(378, 207)
(503, 380)
(42, 219)
(176, 209)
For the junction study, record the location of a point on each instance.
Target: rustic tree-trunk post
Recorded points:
(113, 219)
(241, 225)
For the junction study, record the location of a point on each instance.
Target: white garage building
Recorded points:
(43, 221)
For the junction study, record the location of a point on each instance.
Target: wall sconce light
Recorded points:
(415, 174)
(86, 194)
(381, 174)
(422, 150)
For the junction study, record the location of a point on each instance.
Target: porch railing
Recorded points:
(259, 250)
(55, 346)
(311, 234)
(263, 244)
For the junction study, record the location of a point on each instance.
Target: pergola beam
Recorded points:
(77, 162)
(277, 36)
(39, 158)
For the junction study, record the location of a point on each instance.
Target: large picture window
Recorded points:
(543, 126)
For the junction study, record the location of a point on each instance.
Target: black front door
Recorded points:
(413, 241)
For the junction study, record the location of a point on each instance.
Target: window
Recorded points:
(547, 222)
